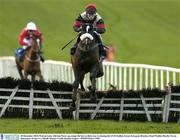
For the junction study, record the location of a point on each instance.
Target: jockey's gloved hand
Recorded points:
(25, 47)
(27, 42)
(77, 29)
(100, 30)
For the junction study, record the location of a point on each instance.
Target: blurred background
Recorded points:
(140, 31)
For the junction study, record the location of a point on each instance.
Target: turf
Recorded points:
(82, 126)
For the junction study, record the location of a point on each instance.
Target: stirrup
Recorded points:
(102, 58)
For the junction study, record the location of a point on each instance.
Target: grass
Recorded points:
(143, 31)
(84, 126)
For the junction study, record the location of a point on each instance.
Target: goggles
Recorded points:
(90, 16)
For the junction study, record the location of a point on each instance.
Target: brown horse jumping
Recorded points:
(31, 62)
(86, 59)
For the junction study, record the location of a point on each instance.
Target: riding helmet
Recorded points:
(31, 26)
(91, 9)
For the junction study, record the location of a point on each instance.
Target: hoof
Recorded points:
(100, 74)
(72, 107)
(82, 92)
(93, 97)
(83, 89)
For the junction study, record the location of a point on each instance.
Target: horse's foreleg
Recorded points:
(93, 84)
(75, 88)
(76, 83)
(40, 76)
(93, 76)
(25, 75)
(19, 68)
(20, 73)
(81, 82)
(93, 88)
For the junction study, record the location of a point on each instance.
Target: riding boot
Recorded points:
(73, 49)
(19, 54)
(102, 52)
(24, 48)
(100, 73)
(21, 58)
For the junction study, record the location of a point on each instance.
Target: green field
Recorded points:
(70, 126)
(143, 31)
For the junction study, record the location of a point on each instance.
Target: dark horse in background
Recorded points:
(31, 61)
(86, 59)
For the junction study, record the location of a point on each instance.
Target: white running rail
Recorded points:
(122, 76)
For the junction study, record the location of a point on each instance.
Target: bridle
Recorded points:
(37, 41)
(86, 39)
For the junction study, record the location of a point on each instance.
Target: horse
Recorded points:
(31, 62)
(86, 59)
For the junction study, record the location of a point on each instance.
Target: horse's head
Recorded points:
(33, 52)
(35, 43)
(87, 39)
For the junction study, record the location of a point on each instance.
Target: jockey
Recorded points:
(24, 37)
(90, 15)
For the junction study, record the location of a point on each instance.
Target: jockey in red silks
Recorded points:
(90, 15)
(24, 37)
